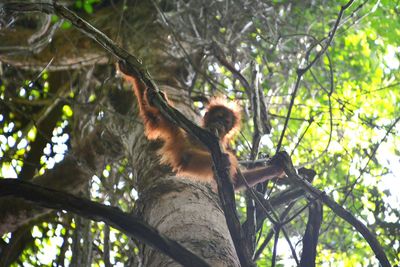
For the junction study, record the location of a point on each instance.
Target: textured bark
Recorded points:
(185, 211)
(191, 214)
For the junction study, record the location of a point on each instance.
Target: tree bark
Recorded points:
(183, 210)
(191, 214)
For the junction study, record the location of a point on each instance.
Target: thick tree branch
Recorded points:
(129, 224)
(68, 175)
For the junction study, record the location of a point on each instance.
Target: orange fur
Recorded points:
(185, 155)
(234, 108)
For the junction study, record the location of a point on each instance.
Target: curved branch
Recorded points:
(69, 175)
(112, 216)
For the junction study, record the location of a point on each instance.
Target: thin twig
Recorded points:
(302, 71)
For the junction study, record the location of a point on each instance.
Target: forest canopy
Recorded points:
(317, 79)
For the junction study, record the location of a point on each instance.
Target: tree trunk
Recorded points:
(191, 214)
(183, 210)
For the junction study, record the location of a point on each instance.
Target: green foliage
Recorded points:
(86, 5)
(344, 124)
(346, 128)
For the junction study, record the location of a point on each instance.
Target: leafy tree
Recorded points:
(318, 79)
